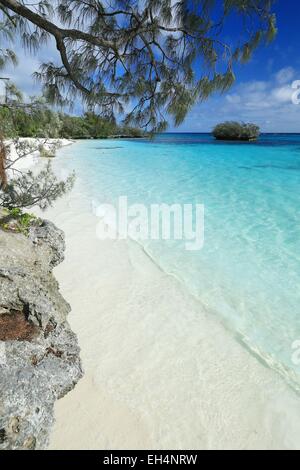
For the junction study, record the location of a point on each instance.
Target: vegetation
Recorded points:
(37, 119)
(16, 221)
(144, 60)
(28, 189)
(93, 126)
(148, 60)
(232, 130)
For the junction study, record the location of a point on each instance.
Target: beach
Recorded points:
(149, 228)
(32, 159)
(161, 372)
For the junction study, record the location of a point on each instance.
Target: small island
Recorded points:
(237, 131)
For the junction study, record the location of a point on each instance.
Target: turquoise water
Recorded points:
(248, 272)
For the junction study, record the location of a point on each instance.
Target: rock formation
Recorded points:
(39, 354)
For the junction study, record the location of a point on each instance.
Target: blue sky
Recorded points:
(261, 94)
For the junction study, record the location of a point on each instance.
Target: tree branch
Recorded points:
(58, 33)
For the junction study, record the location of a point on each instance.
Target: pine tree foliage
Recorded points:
(25, 189)
(29, 190)
(7, 56)
(147, 59)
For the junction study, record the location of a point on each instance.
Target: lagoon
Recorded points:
(248, 272)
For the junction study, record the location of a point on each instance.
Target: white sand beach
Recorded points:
(33, 158)
(160, 372)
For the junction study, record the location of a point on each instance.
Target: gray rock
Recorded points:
(48, 237)
(39, 353)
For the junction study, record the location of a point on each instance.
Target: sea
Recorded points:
(247, 273)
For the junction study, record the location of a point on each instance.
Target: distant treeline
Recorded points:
(41, 121)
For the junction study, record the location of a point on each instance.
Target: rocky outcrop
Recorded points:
(39, 354)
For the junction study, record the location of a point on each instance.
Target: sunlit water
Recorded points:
(248, 272)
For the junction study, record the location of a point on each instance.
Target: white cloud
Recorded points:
(21, 75)
(255, 86)
(234, 99)
(263, 94)
(285, 75)
(267, 103)
(283, 94)
(28, 63)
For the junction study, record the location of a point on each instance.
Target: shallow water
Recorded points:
(248, 272)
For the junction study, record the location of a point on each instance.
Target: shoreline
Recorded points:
(159, 371)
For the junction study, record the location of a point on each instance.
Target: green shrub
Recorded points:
(14, 220)
(232, 130)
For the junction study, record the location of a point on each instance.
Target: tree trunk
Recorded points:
(3, 176)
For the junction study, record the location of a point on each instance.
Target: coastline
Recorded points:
(159, 371)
